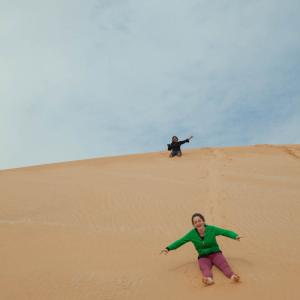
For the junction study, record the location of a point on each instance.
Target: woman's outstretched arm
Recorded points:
(228, 233)
(186, 140)
(176, 244)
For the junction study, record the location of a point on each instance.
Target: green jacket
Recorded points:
(208, 244)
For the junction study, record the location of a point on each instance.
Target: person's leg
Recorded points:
(205, 266)
(171, 154)
(219, 260)
(179, 153)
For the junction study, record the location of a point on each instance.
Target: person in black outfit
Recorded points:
(174, 147)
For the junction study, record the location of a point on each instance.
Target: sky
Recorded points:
(91, 78)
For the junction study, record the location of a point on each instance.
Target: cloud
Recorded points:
(94, 78)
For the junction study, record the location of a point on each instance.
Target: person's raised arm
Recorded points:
(186, 140)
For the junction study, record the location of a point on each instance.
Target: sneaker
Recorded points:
(235, 278)
(207, 280)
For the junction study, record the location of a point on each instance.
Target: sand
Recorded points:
(93, 229)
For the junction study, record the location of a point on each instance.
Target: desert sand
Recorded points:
(93, 229)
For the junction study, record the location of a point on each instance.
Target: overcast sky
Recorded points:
(91, 78)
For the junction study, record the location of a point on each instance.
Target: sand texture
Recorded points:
(93, 229)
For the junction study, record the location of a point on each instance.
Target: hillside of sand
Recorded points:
(93, 229)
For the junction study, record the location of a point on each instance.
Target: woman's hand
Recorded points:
(190, 137)
(238, 238)
(164, 251)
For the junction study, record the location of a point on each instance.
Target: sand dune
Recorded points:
(93, 229)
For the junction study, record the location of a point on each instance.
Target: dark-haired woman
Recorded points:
(203, 237)
(174, 147)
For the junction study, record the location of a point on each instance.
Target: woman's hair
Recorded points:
(174, 137)
(197, 215)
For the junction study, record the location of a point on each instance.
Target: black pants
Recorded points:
(175, 153)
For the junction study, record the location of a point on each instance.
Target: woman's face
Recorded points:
(198, 222)
(174, 139)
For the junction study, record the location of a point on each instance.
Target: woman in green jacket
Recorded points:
(203, 237)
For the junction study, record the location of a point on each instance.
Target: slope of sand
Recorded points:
(93, 229)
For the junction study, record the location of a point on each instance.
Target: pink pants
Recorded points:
(217, 259)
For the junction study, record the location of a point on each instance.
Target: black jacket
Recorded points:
(175, 146)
